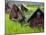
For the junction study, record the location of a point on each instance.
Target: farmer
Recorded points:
(14, 12)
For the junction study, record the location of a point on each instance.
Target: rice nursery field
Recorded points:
(14, 27)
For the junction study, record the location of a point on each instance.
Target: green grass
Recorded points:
(15, 27)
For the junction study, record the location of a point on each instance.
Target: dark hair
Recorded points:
(16, 7)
